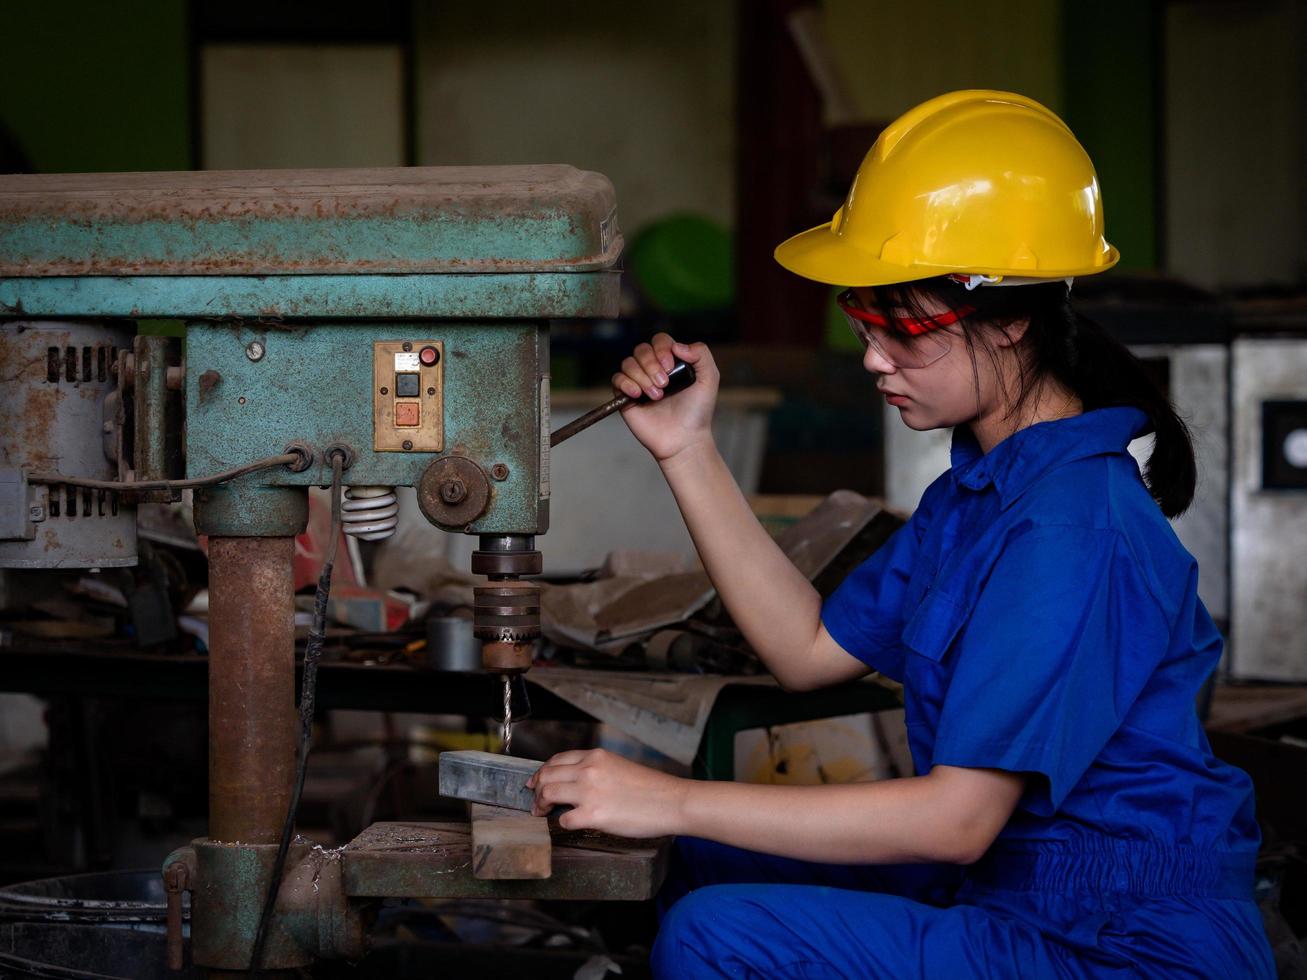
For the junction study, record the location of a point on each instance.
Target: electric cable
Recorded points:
(267, 463)
(308, 693)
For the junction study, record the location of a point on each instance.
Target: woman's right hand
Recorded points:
(668, 426)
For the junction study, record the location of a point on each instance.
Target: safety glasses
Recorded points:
(911, 342)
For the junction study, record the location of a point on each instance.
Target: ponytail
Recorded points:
(1103, 372)
(1070, 348)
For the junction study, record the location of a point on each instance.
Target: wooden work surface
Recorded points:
(434, 860)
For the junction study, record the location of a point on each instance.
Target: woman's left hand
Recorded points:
(609, 793)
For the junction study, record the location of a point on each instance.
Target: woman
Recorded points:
(1068, 818)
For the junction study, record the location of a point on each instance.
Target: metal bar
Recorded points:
(487, 777)
(151, 397)
(680, 377)
(589, 418)
(251, 687)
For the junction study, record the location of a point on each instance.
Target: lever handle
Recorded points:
(680, 377)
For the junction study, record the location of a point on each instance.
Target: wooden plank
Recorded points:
(509, 844)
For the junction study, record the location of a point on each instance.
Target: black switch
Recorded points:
(408, 385)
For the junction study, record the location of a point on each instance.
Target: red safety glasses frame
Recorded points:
(910, 342)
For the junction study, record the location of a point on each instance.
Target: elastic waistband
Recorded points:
(1107, 866)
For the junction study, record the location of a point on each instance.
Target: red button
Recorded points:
(408, 413)
(429, 355)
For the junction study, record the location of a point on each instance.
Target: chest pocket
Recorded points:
(933, 626)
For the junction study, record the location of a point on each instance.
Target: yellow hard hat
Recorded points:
(988, 184)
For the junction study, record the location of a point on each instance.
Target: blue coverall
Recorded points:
(1044, 619)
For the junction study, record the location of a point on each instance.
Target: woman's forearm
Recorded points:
(775, 607)
(949, 816)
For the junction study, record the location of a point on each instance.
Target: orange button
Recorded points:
(408, 413)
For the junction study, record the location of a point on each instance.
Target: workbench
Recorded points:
(94, 670)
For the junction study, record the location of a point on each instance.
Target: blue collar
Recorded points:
(1023, 457)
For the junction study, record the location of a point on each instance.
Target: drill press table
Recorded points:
(434, 860)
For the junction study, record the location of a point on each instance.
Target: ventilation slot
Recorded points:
(52, 365)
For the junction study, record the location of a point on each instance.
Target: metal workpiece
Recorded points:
(312, 918)
(487, 777)
(252, 717)
(57, 414)
(315, 383)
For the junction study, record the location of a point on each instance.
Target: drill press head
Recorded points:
(506, 611)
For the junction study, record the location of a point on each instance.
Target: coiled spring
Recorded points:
(370, 513)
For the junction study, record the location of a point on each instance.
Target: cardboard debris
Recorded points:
(667, 712)
(608, 615)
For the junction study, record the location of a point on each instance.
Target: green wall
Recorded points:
(894, 54)
(1110, 52)
(642, 92)
(1093, 63)
(97, 86)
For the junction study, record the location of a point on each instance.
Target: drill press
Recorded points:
(395, 320)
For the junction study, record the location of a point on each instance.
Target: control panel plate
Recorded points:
(408, 396)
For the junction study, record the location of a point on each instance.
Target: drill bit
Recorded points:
(507, 731)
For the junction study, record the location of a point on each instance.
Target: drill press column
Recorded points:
(251, 687)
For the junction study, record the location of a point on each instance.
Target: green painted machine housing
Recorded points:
(313, 385)
(316, 265)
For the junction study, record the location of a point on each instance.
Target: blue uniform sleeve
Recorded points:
(865, 614)
(1058, 645)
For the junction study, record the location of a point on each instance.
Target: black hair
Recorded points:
(1064, 345)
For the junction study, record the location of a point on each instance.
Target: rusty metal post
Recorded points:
(159, 405)
(176, 878)
(252, 718)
